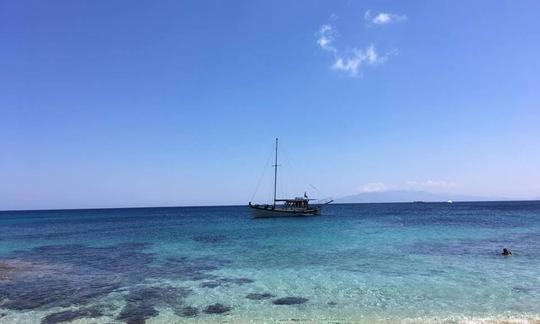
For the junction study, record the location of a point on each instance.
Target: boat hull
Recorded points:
(261, 212)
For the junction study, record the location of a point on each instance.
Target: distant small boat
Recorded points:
(288, 207)
(450, 202)
(419, 202)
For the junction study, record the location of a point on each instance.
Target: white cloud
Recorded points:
(383, 18)
(326, 36)
(354, 63)
(374, 187)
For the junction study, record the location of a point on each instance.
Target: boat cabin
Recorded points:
(297, 202)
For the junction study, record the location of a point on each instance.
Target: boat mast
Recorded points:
(275, 174)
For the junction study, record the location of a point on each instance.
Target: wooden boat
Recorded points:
(289, 207)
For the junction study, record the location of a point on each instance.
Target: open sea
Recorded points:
(359, 263)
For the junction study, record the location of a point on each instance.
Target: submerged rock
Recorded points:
(137, 312)
(259, 296)
(225, 282)
(189, 311)
(237, 281)
(216, 309)
(290, 301)
(210, 284)
(70, 315)
(141, 302)
(171, 296)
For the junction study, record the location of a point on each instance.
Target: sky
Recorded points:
(172, 103)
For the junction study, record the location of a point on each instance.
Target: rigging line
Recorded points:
(316, 189)
(322, 195)
(262, 175)
(292, 168)
(289, 170)
(294, 172)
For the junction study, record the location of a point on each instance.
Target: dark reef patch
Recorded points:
(237, 281)
(76, 275)
(210, 284)
(216, 309)
(525, 290)
(70, 315)
(137, 312)
(259, 296)
(172, 296)
(189, 311)
(128, 260)
(225, 282)
(53, 292)
(142, 300)
(290, 301)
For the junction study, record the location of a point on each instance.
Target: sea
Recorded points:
(355, 263)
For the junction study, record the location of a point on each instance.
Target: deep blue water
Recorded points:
(357, 262)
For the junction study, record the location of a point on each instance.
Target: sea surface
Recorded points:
(358, 263)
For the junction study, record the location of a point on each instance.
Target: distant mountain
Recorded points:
(407, 196)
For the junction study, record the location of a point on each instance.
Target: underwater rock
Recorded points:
(157, 296)
(137, 312)
(70, 315)
(259, 296)
(216, 309)
(523, 289)
(237, 281)
(190, 311)
(290, 301)
(210, 284)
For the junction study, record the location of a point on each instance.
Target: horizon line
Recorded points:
(241, 205)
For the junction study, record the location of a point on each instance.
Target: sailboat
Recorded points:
(288, 207)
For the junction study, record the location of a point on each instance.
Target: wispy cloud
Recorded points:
(326, 36)
(383, 18)
(354, 60)
(354, 63)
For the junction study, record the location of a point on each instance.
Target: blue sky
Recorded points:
(150, 103)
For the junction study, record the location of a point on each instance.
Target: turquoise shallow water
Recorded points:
(432, 262)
